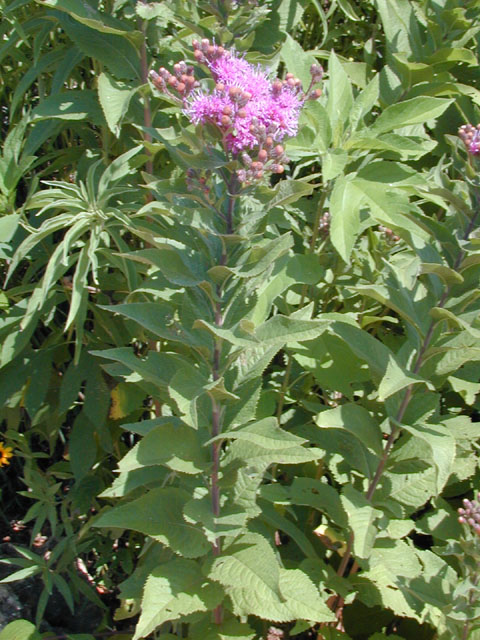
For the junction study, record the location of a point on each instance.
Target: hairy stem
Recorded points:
(216, 406)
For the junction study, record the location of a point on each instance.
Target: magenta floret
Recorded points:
(251, 110)
(249, 96)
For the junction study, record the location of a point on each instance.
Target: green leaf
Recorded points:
(264, 443)
(80, 283)
(230, 629)
(297, 61)
(357, 421)
(20, 630)
(176, 268)
(174, 446)
(401, 26)
(156, 317)
(345, 203)
(272, 517)
(114, 99)
(291, 270)
(448, 275)
(8, 226)
(70, 105)
(86, 14)
(340, 97)
(82, 446)
(118, 169)
(145, 477)
(250, 562)
(396, 379)
(377, 355)
(173, 590)
(258, 586)
(261, 258)
(266, 434)
(116, 52)
(230, 522)
(333, 163)
(319, 495)
(408, 112)
(364, 102)
(442, 446)
(22, 574)
(361, 518)
(159, 514)
(285, 192)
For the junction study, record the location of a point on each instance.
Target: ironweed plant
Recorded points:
(240, 353)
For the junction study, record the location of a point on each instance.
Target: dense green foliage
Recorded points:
(250, 405)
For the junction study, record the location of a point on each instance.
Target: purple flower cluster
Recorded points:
(470, 514)
(252, 111)
(471, 138)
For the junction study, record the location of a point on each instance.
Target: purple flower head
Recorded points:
(252, 111)
(471, 138)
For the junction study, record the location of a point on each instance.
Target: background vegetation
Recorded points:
(349, 352)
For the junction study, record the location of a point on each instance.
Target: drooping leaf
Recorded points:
(175, 589)
(174, 446)
(159, 514)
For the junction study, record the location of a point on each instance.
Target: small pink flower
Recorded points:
(252, 110)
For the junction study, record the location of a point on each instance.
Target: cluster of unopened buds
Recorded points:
(324, 223)
(252, 112)
(388, 233)
(470, 514)
(177, 85)
(470, 136)
(270, 157)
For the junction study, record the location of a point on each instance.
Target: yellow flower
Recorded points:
(5, 454)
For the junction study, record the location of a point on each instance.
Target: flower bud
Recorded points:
(277, 87)
(241, 113)
(262, 155)
(315, 94)
(316, 72)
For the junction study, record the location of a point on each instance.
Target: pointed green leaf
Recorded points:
(173, 590)
(114, 99)
(356, 420)
(174, 446)
(159, 514)
(414, 111)
(345, 203)
(361, 517)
